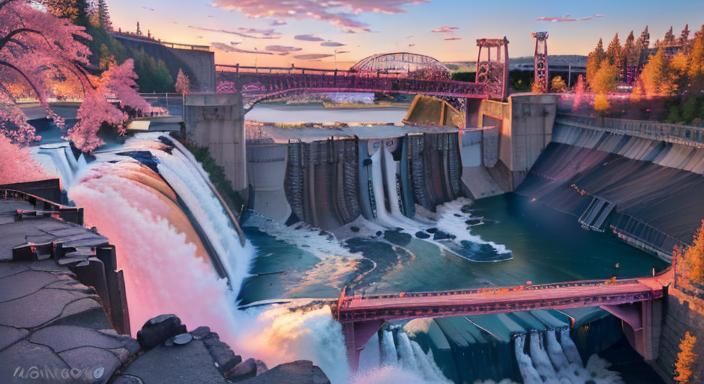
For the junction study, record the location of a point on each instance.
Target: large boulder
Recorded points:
(242, 371)
(158, 329)
(297, 372)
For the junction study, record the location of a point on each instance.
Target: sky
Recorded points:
(337, 33)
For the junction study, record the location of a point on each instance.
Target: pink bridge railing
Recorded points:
(259, 83)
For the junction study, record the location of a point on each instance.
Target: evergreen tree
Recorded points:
(613, 52)
(104, 15)
(695, 70)
(75, 10)
(643, 44)
(684, 36)
(669, 39)
(630, 58)
(656, 76)
(686, 358)
(594, 60)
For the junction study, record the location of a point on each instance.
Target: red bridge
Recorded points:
(400, 72)
(635, 301)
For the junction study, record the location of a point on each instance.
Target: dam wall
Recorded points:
(217, 122)
(646, 189)
(499, 141)
(330, 183)
(197, 62)
(683, 313)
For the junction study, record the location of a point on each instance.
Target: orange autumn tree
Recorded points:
(684, 366)
(692, 258)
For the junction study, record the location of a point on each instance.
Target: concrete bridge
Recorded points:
(637, 302)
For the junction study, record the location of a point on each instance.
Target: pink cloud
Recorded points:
(312, 56)
(331, 44)
(282, 49)
(568, 18)
(342, 13)
(445, 29)
(308, 37)
(249, 33)
(452, 38)
(278, 23)
(230, 49)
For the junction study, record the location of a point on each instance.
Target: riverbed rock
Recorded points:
(244, 370)
(158, 329)
(297, 372)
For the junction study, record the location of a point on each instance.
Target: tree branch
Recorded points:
(9, 37)
(29, 81)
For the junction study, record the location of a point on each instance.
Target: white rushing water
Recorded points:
(58, 159)
(561, 363)
(448, 221)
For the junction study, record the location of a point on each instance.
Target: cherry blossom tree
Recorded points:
(38, 50)
(16, 164)
(183, 83)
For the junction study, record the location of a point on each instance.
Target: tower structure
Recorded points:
(541, 71)
(492, 66)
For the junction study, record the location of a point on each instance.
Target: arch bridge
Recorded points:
(635, 301)
(400, 72)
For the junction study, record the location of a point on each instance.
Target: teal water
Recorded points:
(547, 246)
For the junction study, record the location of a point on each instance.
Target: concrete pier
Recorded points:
(217, 122)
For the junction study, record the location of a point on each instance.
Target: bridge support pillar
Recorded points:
(356, 336)
(216, 121)
(642, 325)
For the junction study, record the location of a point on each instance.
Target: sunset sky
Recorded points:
(309, 32)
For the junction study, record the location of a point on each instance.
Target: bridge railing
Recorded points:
(258, 81)
(497, 290)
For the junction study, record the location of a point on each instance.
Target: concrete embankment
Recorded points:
(647, 191)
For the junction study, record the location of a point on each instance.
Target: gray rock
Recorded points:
(261, 367)
(158, 329)
(244, 370)
(200, 332)
(297, 372)
(224, 358)
(184, 364)
(64, 337)
(9, 335)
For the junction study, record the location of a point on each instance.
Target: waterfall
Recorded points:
(538, 368)
(557, 355)
(378, 184)
(540, 357)
(390, 168)
(570, 348)
(525, 364)
(406, 356)
(194, 189)
(388, 349)
(60, 160)
(370, 358)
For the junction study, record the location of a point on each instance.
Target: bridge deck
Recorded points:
(500, 300)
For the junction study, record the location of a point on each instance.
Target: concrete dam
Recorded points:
(645, 189)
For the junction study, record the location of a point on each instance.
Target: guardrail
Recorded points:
(672, 133)
(525, 287)
(44, 206)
